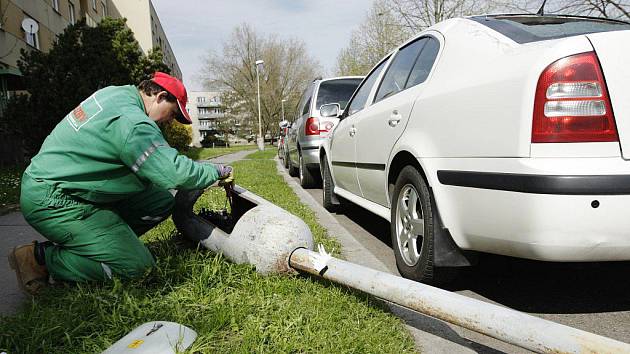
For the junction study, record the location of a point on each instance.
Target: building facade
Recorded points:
(143, 20)
(205, 110)
(51, 17)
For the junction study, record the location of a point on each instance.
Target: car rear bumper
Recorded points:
(310, 154)
(544, 209)
(539, 184)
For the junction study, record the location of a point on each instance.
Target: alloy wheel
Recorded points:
(409, 225)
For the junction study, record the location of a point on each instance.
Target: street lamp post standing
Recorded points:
(282, 105)
(261, 139)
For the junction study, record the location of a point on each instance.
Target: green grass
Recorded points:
(208, 153)
(232, 308)
(10, 185)
(269, 153)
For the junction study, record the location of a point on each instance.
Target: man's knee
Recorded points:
(135, 267)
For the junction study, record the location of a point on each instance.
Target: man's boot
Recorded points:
(31, 274)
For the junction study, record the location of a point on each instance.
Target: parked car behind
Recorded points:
(506, 134)
(309, 128)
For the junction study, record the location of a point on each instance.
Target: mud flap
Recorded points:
(446, 253)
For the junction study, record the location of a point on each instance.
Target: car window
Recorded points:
(398, 72)
(532, 28)
(361, 96)
(336, 91)
(424, 63)
(305, 101)
(307, 106)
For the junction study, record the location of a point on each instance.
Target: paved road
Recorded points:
(594, 297)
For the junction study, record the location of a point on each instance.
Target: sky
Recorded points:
(194, 27)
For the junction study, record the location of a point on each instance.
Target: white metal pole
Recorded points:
(505, 324)
(260, 140)
(282, 103)
(259, 114)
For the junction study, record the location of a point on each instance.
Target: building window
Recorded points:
(104, 8)
(94, 5)
(201, 99)
(55, 5)
(71, 11)
(31, 38)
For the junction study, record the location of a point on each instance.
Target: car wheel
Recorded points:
(413, 223)
(328, 189)
(306, 177)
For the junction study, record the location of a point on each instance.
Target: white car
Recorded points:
(504, 134)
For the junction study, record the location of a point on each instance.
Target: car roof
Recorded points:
(341, 78)
(547, 16)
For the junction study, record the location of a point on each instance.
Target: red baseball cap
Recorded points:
(177, 89)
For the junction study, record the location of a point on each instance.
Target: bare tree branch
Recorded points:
(376, 36)
(287, 70)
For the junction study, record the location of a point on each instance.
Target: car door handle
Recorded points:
(352, 131)
(394, 119)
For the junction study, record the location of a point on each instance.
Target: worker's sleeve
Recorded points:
(150, 157)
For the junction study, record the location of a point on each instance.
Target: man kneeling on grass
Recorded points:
(100, 180)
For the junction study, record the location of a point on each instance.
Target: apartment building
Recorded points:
(205, 110)
(143, 20)
(51, 17)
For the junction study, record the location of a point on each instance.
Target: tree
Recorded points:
(287, 70)
(379, 34)
(82, 60)
(418, 15)
(613, 9)
(177, 135)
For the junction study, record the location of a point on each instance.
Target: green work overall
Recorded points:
(101, 179)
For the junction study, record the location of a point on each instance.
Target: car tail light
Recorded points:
(572, 103)
(312, 126)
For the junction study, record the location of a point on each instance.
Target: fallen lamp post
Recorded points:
(275, 241)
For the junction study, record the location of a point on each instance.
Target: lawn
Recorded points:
(208, 153)
(232, 308)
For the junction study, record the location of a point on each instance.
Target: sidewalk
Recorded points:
(14, 231)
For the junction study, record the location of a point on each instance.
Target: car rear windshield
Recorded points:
(336, 91)
(533, 28)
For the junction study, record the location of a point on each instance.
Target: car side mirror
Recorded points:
(330, 110)
(284, 124)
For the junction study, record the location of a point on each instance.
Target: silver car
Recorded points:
(310, 128)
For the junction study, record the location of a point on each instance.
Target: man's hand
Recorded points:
(226, 174)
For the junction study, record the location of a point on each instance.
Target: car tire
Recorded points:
(328, 189)
(293, 171)
(307, 180)
(413, 228)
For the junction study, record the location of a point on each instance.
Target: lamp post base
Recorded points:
(261, 143)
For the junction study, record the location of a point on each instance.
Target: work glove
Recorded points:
(226, 174)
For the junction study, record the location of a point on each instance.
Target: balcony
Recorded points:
(208, 104)
(207, 127)
(210, 115)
